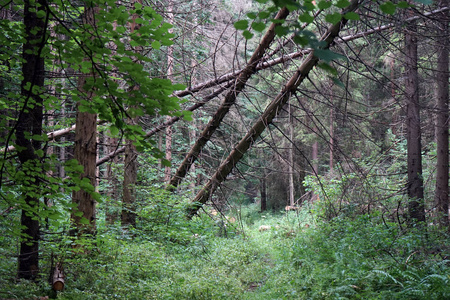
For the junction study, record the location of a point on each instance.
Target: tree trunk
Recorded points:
(442, 123)
(415, 182)
(30, 122)
(169, 129)
(266, 118)
(291, 159)
(229, 100)
(85, 149)
(129, 185)
(263, 191)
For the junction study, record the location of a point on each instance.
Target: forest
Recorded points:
(224, 149)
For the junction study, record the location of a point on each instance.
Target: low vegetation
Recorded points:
(298, 256)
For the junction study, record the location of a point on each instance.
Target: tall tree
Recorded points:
(414, 148)
(85, 148)
(29, 124)
(442, 122)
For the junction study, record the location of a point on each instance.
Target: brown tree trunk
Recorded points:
(442, 123)
(30, 122)
(265, 119)
(415, 182)
(129, 186)
(85, 150)
(229, 100)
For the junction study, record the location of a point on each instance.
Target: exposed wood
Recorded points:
(266, 118)
(58, 278)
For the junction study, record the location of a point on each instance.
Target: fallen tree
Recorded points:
(267, 117)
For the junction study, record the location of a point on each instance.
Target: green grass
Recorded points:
(298, 258)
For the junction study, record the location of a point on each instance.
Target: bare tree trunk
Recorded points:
(129, 186)
(266, 118)
(30, 122)
(130, 164)
(263, 186)
(415, 181)
(291, 159)
(83, 213)
(331, 164)
(169, 129)
(442, 122)
(229, 100)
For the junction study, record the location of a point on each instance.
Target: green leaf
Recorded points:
(324, 4)
(403, 4)
(306, 17)
(281, 30)
(114, 130)
(247, 34)
(258, 26)
(351, 16)
(327, 55)
(252, 15)
(388, 7)
(241, 25)
(333, 18)
(342, 3)
(156, 45)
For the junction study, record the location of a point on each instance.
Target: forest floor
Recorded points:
(296, 257)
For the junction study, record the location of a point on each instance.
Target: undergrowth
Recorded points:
(298, 257)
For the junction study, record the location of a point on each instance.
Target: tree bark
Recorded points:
(85, 150)
(442, 122)
(30, 122)
(266, 118)
(129, 185)
(169, 129)
(227, 103)
(415, 182)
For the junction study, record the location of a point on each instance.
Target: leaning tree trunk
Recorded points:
(85, 152)
(30, 123)
(442, 123)
(266, 118)
(415, 182)
(227, 103)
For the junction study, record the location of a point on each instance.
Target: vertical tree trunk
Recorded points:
(85, 150)
(30, 122)
(129, 185)
(415, 182)
(169, 129)
(442, 123)
(291, 158)
(113, 183)
(331, 164)
(263, 185)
